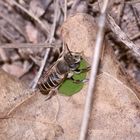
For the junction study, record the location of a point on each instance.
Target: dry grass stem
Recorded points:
(121, 83)
(35, 81)
(42, 25)
(26, 45)
(14, 25)
(123, 37)
(94, 70)
(133, 1)
(135, 36)
(30, 119)
(29, 93)
(65, 10)
(120, 12)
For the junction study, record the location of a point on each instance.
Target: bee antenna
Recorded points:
(68, 49)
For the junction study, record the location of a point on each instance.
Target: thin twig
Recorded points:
(10, 21)
(30, 119)
(65, 10)
(29, 93)
(121, 83)
(136, 15)
(133, 2)
(43, 26)
(120, 14)
(7, 34)
(94, 70)
(54, 21)
(123, 37)
(28, 45)
(35, 81)
(136, 36)
(65, 16)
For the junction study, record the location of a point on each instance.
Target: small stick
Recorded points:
(123, 37)
(136, 15)
(65, 10)
(136, 36)
(30, 94)
(7, 34)
(94, 70)
(27, 45)
(133, 2)
(44, 27)
(120, 14)
(121, 83)
(35, 81)
(10, 21)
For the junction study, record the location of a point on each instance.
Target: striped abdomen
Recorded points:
(56, 76)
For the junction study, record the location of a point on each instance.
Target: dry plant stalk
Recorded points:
(50, 40)
(94, 70)
(123, 37)
(65, 10)
(42, 25)
(27, 45)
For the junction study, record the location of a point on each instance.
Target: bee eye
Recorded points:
(73, 65)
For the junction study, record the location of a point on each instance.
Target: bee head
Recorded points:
(73, 60)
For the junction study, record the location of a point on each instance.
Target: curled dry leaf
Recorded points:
(25, 114)
(115, 110)
(122, 39)
(115, 103)
(79, 32)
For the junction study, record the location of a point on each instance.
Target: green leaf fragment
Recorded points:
(68, 88)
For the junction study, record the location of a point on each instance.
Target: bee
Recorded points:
(64, 68)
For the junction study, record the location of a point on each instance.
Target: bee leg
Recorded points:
(82, 70)
(50, 95)
(70, 74)
(79, 81)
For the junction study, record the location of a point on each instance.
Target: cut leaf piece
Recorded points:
(69, 87)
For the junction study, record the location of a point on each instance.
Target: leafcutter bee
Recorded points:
(63, 69)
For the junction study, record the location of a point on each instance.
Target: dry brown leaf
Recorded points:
(114, 103)
(80, 33)
(11, 88)
(14, 69)
(128, 31)
(115, 110)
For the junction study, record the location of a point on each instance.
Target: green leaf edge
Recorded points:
(68, 88)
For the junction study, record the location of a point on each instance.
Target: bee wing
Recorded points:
(46, 73)
(58, 55)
